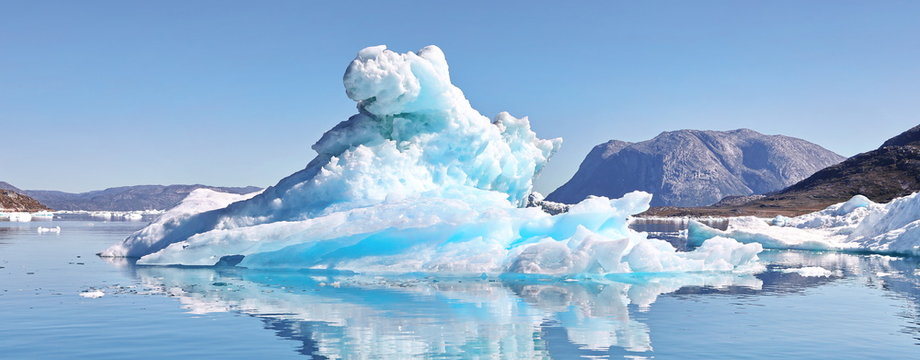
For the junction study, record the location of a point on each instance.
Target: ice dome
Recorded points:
(418, 180)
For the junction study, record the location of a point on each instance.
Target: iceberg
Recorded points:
(418, 181)
(20, 217)
(857, 225)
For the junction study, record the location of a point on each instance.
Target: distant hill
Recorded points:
(7, 186)
(695, 167)
(892, 170)
(126, 198)
(13, 201)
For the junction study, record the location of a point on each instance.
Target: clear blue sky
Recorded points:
(96, 94)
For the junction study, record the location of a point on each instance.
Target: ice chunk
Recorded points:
(418, 180)
(20, 217)
(756, 230)
(855, 202)
(43, 230)
(92, 294)
(855, 225)
(779, 220)
(133, 216)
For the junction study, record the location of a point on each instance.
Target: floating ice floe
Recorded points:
(418, 181)
(92, 294)
(133, 216)
(858, 225)
(43, 230)
(20, 217)
(101, 214)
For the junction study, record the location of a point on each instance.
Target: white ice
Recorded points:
(92, 294)
(419, 181)
(858, 225)
(55, 229)
(20, 217)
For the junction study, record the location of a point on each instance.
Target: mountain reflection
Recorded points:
(355, 316)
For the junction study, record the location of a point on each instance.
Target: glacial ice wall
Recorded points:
(419, 181)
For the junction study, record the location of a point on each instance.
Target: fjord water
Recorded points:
(867, 307)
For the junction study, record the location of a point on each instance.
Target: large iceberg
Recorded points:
(418, 181)
(857, 225)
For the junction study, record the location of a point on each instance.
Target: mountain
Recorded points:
(13, 201)
(126, 198)
(7, 186)
(891, 171)
(695, 167)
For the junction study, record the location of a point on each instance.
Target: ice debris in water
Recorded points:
(855, 225)
(418, 180)
(92, 294)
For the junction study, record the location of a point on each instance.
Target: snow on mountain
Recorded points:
(694, 168)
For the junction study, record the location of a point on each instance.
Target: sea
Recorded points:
(58, 300)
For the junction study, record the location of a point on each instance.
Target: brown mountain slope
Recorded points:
(892, 170)
(13, 201)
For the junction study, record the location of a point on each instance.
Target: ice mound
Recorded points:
(855, 225)
(169, 225)
(418, 181)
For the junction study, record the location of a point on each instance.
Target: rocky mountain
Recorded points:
(126, 198)
(892, 170)
(13, 201)
(695, 167)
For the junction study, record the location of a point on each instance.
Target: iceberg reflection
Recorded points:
(348, 316)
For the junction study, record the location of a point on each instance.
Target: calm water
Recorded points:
(869, 307)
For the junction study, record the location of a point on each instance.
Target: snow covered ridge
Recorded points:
(418, 181)
(858, 225)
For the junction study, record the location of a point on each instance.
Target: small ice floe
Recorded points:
(133, 216)
(102, 215)
(43, 230)
(20, 217)
(92, 294)
(812, 271)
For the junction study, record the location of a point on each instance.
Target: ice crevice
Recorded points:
(419, 181)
